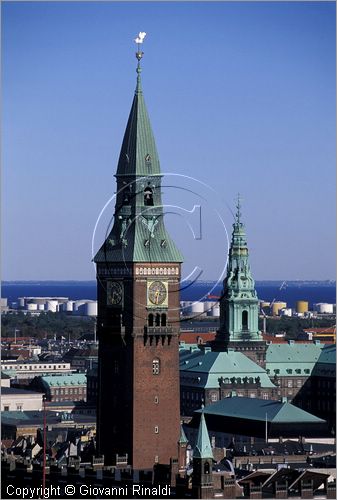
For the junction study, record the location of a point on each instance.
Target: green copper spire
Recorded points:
(239, 302)
(138, 233)
(182, 439)
(203, 448)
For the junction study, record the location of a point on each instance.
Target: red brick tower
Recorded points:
(138, 276)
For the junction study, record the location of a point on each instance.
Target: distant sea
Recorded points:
(289, 292)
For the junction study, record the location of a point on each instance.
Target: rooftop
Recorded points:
(261, 410)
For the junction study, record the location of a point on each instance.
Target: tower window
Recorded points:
(148, 197)
(244, 320)
(157, 319)
(150, 320)
(156, 367)
(206, 468)
(163, 319)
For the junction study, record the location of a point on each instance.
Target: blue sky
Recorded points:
(241, 97)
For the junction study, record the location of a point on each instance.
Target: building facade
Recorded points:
(138, 275)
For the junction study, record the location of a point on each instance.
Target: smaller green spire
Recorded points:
(203, 448)
(182, 439)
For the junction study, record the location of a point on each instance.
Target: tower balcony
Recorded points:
(158, 330)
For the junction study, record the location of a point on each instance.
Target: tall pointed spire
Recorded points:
(203, 448)
(138, 233)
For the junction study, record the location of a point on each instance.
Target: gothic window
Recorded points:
(244, 320)
(214, 397)
(163, 319)
(206, 468)
(156, 367)
(148, 197)
(150, 320)
(116, 366)
(157, 319)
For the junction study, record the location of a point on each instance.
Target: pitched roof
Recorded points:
(203, 369)
(260, 409)
(203, 448)
(133, 238)
(326, 364)
(64, 380)
(182, 439)
(289, 358)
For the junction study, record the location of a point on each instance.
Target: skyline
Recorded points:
(264, 130)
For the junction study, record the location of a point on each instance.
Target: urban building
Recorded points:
(71, 387)
(251, 421)
(138, 274)
(207, 376)
(20, 400)
(318, 393)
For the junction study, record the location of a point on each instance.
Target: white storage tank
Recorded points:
(21, 302)
(323, 308)
(185, 307)
(197, 308)
(286, 312)
(78, 303)
(67, 306)
(52, 305)
(214, 312)
(40, 307)
(31, 306)
(90, 309)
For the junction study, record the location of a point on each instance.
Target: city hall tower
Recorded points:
(138, 279)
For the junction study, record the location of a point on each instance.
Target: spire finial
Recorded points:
(139, 54)
(238, 207)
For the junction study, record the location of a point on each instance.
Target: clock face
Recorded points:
(157, 293)
(114, 293)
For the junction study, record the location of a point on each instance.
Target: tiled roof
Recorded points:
(194, 337)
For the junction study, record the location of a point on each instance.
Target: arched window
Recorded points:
(150, 319)
(156, 367)
(163, 319)
(157, 319)
(244, 320)
(206, 468)
(148, 197)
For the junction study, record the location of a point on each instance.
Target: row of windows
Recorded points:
(33, 367)
(157, 320)
(157, 270)
(79, 390)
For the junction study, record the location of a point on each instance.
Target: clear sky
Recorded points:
(241, 97)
